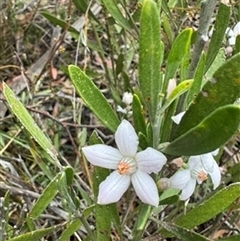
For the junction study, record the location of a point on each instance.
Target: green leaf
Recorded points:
(69, 172)
(93, 98)
(114, 10)
(33, 236)
(178, 50)
(45, 198)
(169, 196)
(237, 45)
(218, 62)
(209, 134)
(183, 233)
(209, 208)
(138, 117)
(197, 82)
(177, 92)
(27, 121)
(230, 238)
(222, 90)
(150, 52)
(63, 189)
(144, 213)
(59, 22)
(72, 227)
(220, 26)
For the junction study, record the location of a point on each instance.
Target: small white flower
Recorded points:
(233, 33)
(130, 167)
(121, 110)
(127, 98)
(199, 167)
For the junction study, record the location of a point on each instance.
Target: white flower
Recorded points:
(127, 98)
(121, 110)
(130, 167)
(198, 169)
(233, 33)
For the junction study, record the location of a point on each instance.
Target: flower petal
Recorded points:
(177, 118)
(230, 32)
(236, 29)
(215, 152)
(215, 175)
(102, 155)
(113, 187)
(194, 162)
(232, 40)
(180, 179)
(126, 139)
(127, 98)
(188, 190)
(145, 188)
(150, 160)
(207, 161)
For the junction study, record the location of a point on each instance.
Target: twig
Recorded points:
(202, 37)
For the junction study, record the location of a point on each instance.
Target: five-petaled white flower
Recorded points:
(233, 33)
(198, 169)
(130, 167)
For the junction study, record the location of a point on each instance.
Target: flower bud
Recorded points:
(176, 163)
(163, 184)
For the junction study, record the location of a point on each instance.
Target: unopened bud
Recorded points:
(163, 184)
(176, 163)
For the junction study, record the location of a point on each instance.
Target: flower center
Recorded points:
(202, 176)
(127, 166)
(199, 174)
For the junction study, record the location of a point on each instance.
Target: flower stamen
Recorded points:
(123, 168)
(202, 176)
(127, 166)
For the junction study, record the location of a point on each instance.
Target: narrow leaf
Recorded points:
(63, 189)
(220, 26)
(114, 10)
(150, 51)
(33, 236)
(183, 233)
(209, 134)
(72, 227)
(178, 50)
(138, 117)
(230, 238)
(197, 82)
(59, 22)
(177, 92)
(208, 209)
(93, 98)
(44, 200)
(27, 121)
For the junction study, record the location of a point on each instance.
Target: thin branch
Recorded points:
(206, 14)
